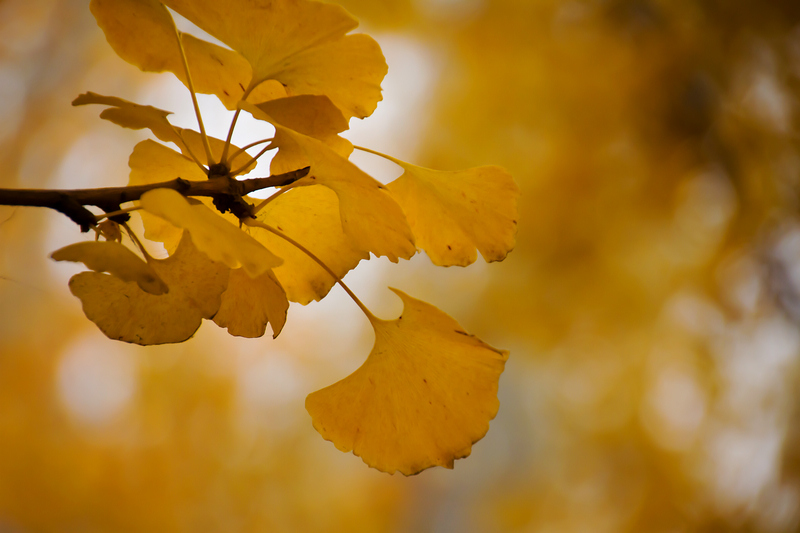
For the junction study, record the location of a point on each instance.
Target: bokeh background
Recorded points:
(651, 305)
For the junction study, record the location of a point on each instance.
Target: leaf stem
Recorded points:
(224, 157)
(240, 151)
(136, 241)
(206, 145)
(373, 152)
(266, 201)
(252, 160)
(189, 149)
(351, 294)
(115, 213)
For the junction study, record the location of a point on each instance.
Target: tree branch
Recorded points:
(71, 202)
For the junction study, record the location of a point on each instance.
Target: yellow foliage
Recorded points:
(249, 304)
(117, 260)
(213, 235)
(425, 394)
(125, 312)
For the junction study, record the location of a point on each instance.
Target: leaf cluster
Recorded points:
(428, 389)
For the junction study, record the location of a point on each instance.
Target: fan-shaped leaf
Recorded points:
(300, 43)
(425, 394)
(309, 215)
(125, 312)
(248, 304)
(212, 234)
(453, 213)
(116, 259)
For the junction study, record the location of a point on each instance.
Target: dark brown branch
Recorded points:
(72, 202)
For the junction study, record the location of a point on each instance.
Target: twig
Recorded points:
(72, 202)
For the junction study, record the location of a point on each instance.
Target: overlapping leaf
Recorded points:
(453, 213)
(369, 215)
(212, 234)
(152, 162)
(249, 304)
(116, 259)
(425, 394)
(123, 311)
(134, 116)
(314, 116)
(300, 43)
(309, 215)
(141, 32)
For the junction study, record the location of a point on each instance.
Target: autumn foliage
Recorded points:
(650, 303)
(239, 261)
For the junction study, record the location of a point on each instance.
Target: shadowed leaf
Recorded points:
(212, 234)
(116, 259)
(125, 312)
(309, 215)
(300, 43)
(248, 304)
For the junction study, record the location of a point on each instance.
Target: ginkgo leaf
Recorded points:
(315, 116)
(349, 71)
(211, 234)
(369, 215)
(309, 215)
(134, 116)
(151, 162)
(131, 115)
(248, 304)
(424, 395)
(300, 43)
(453, 213)
(116, 259)
(141, 32)
(125, 312)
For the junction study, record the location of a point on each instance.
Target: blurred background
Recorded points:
(651, 305)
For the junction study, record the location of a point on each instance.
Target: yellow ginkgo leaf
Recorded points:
(370, 217)
(116, 259)
(141, 32)
(300, 43)
(248, 304)
(125, 312)
(151, 162)
(211, 234)
(130, 115)
(309, 215)
(425, 394)
(133, 116)
(453, 213)
(349, 71)
(315, 116)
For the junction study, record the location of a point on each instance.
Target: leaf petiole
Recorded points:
(115, 213)
(252, 161)
(244, 149)
(373, 152)
(258, 224)
(270, 198)
(224, 157)
(206, 145)
(189, 149)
